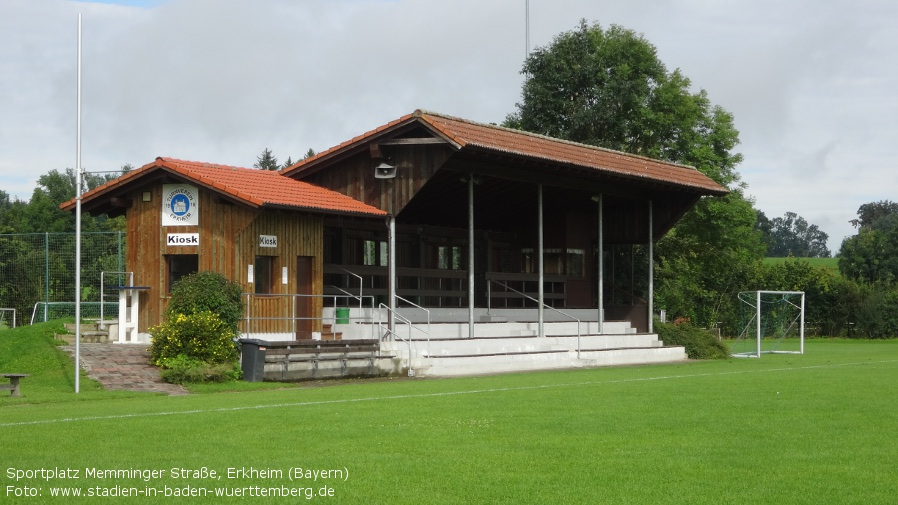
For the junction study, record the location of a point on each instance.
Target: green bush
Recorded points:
(699, 343)
(207, 291)
(202, 336)
(877, 314)
(182, 369)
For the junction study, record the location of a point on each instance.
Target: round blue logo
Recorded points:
(180, 205)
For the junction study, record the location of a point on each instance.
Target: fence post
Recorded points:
(46, 274)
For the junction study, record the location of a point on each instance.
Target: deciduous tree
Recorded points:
(608, 88)
(792, 235)
(872, 254)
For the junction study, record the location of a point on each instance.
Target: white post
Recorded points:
(758, 323)
(392, 273)
(651, 269)
(801, 328)
(601, 267)
(541, 311)
(78, 226)
(471, 256)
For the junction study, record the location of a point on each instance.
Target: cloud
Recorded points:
(810, 84)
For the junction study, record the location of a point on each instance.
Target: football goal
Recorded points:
(772, 322)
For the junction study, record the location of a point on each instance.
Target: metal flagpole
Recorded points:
(78, 227)
(527, 26)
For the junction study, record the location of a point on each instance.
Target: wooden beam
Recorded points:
(416, 141)
(122, 203)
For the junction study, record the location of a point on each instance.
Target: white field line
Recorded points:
(425, 395)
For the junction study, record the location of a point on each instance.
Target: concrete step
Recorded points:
(85, 327)
(87, 337)
(436, 331)
(545, 360)
(509, 344)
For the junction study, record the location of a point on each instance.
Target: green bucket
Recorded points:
(342, 315)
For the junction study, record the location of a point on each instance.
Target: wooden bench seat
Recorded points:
(332, 358)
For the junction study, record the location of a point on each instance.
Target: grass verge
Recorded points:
(791, 429)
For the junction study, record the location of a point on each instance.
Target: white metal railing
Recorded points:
(103, 293)
(361, 284)
(2, 319)
(387, 330)
(293, 317)
(47, 306)
(525, 295)
(426, 311)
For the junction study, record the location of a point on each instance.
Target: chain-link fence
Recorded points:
(37, 273)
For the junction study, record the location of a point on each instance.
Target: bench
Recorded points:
(343, 353)
(13, 385)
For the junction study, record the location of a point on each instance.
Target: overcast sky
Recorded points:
(812, 84)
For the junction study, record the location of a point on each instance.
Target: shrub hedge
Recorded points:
(196, 343)
(201, 336)
(207, 291)
(699, 343)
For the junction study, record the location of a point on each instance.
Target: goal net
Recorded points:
(772, 322)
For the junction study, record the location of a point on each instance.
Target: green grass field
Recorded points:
(784, 429)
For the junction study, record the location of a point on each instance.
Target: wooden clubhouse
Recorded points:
(446, 228)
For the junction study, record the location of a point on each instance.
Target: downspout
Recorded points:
(542, 301)
(391, 272)
(471, 256)
(651, 269)
(601, 266)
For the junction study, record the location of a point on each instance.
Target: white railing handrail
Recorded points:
(292, 317)
(426, 311)
(525, 295)
(391, 331)
(361, 283)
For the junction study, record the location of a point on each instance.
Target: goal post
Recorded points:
(773, 323)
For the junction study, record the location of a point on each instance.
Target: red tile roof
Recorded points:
(257, 188)
(516, 142)
(464, 134)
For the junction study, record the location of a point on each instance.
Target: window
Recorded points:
(263, 273)
(449, 258)
(375, 253)
(555, 261)
(179, 265)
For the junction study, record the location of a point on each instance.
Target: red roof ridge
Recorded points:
(299, 164)
(205, 164)
(251, 186)
(424, 113)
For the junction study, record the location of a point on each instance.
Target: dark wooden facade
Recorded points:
(228, 244)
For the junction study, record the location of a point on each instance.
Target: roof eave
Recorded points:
(320, 160)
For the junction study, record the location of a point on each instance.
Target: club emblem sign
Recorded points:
(180, 205)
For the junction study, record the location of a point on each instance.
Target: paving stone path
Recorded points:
(123, 367)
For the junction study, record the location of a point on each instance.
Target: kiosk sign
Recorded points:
(180, 205)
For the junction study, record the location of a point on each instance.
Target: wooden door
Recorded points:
(304, 304)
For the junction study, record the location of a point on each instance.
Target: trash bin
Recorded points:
(342, 315)
(252, 359)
